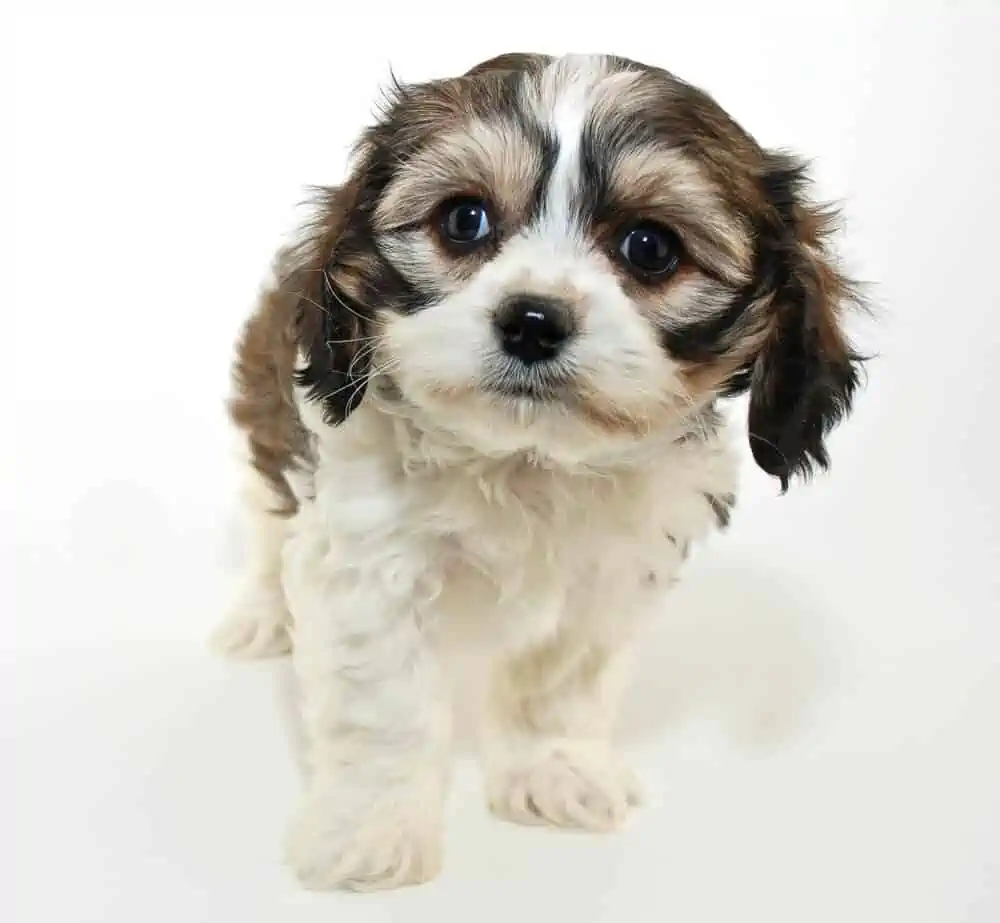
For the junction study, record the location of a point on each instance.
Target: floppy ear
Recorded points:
(805, 375)
(333, 328)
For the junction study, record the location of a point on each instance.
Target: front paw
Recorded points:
(568, 785)
(339, 839)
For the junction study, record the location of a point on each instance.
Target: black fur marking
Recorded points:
(546, 143)
(704, 340)
(681, 545)
(775, 250)
(390, 289)
(802, 394)
(338, 358)
(804, 380)
(601, 145)
(738, 383)
(722, 507)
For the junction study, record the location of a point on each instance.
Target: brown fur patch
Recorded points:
(263, 405)
(518, 61)
(288, 314)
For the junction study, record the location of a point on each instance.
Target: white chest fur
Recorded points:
(508, 548)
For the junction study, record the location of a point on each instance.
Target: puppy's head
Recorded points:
(566, 255)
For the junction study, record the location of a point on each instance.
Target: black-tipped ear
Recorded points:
(334, 330)
(803, 380)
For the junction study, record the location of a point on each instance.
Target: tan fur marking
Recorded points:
(512, 61)
(262, 405)
(491, 161)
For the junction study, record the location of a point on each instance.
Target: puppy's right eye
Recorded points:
(466, 221)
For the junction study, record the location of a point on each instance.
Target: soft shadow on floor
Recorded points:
(735, 645)
(738, 646)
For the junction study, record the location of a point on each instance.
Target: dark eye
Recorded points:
(466, 221)
(652, 249)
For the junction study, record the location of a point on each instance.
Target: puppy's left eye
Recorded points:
(651, 249)
(466, 221)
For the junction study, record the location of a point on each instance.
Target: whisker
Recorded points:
(388, 366)
(314, 303)
(331, 291)
(366, 352)
(767, 442)
(362, 339)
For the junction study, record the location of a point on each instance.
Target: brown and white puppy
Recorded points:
(480, 394)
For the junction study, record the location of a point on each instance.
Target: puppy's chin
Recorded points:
(559, 424)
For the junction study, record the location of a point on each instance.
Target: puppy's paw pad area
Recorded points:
(256, 628)
(383, 849)
(582, 790)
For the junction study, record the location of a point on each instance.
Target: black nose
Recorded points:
(532, 328)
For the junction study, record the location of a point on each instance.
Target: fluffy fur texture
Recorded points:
(412, 475)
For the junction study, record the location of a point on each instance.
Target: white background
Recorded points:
(818, 715)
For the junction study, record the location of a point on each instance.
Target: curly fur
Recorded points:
(410, 483)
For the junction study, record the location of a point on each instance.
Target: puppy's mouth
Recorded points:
(544, 383)
(542, 394)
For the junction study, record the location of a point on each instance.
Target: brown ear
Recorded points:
(803, 380)
(334, 329)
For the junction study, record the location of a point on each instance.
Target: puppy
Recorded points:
(480, 395)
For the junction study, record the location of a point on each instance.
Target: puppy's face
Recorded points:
(567, 256)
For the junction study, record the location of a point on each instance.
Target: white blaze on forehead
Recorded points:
(565, 96)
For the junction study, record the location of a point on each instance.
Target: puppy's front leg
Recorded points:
(374, 714)
(549, 758)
